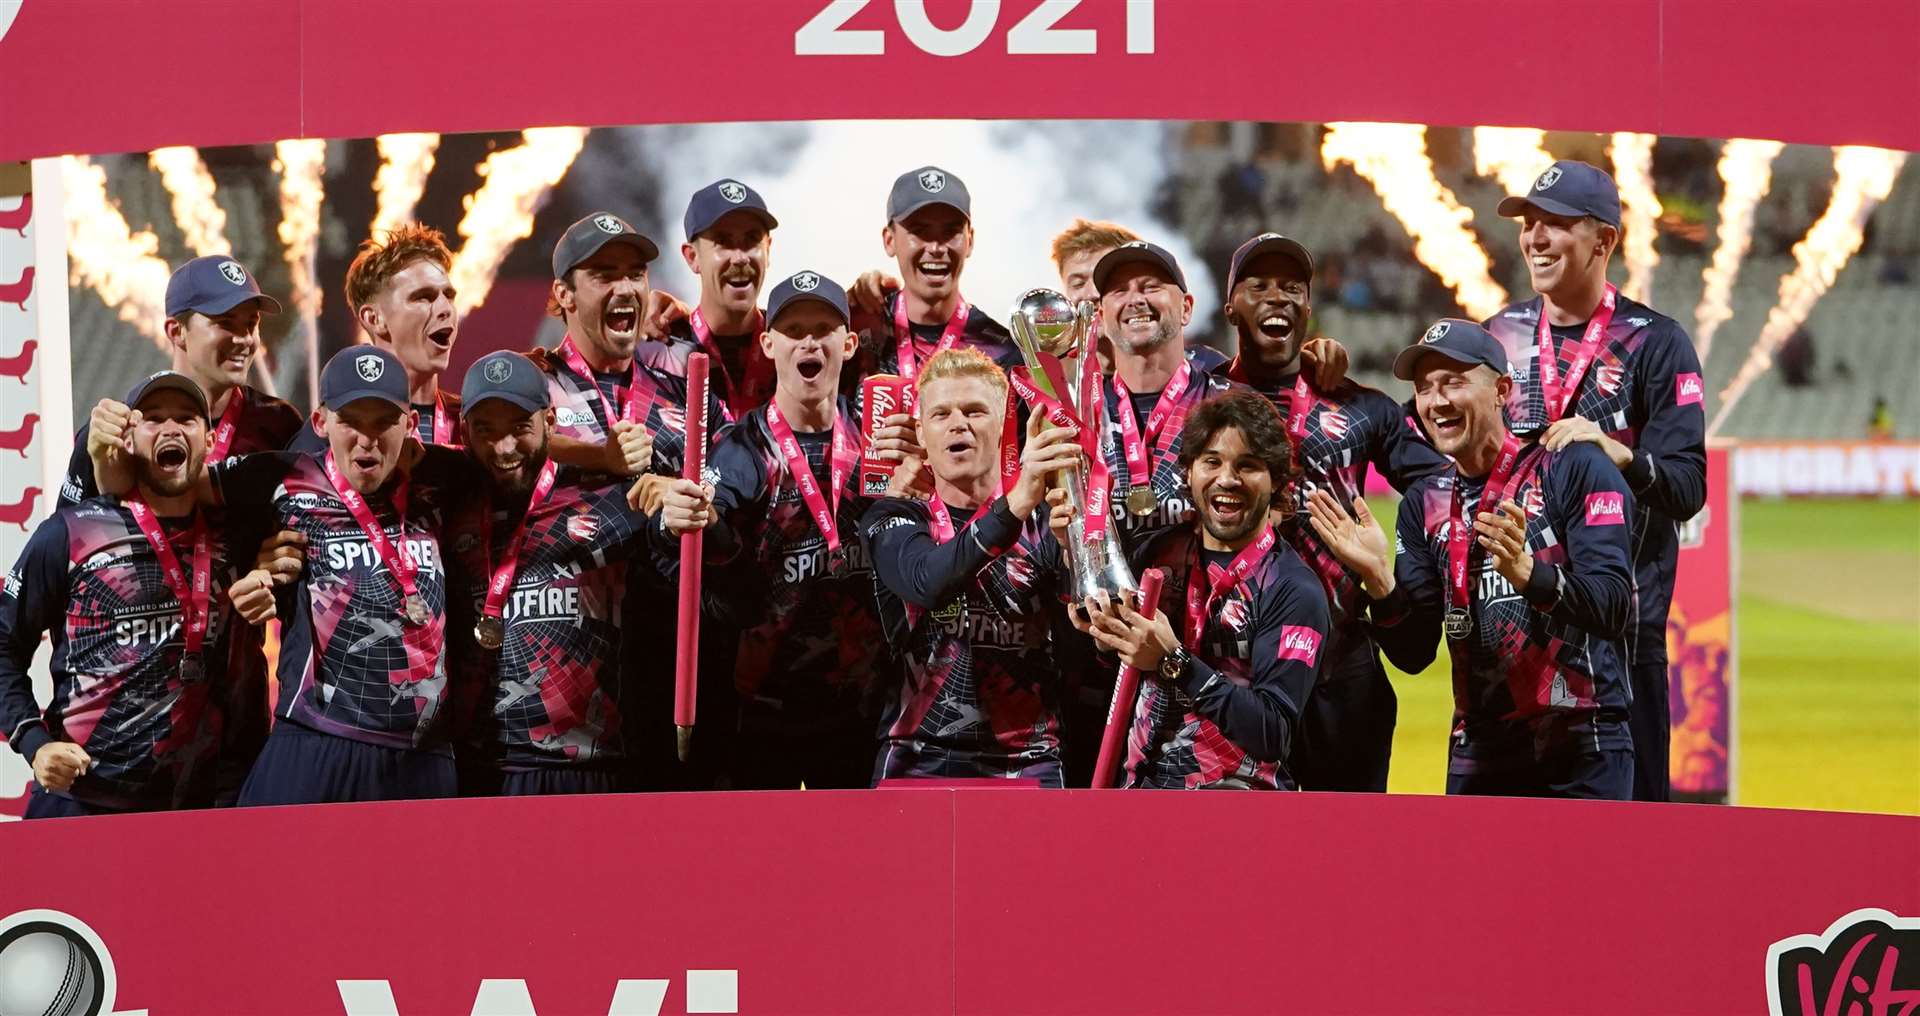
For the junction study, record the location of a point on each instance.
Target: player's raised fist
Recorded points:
(686, 507)
(110, 428)
(629, 448)
(252, 596)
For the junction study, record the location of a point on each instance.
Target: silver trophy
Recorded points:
(1047, 327)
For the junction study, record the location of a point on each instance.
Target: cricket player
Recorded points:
(1624, 378)
(1519, 557)
(729, 235)
(1222, 705)
(785, 558)
(1334, 433)
(154, 703)
(968, 583)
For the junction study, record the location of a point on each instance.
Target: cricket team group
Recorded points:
(474, 591)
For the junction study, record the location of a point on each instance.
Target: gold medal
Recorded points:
(416, 609)
(1140, 501)
(489, 631)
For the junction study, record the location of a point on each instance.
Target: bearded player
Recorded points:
(153, 703)
(967, 585)
(1518, 555)
(1334, 433)
(1623, 378)
(785, 558)
(1223, 704)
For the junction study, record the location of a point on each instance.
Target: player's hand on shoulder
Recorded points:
(869, 293)
(58, 763)
(1326, 359)
(686, 507)
(663, 309)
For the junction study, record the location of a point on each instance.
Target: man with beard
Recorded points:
(1146, 307)
(969, 606)
(151, 708)
(1334, 433)
(729, 238)
(363, 682)
(787, 565)
(1076, 249)
(1533, 607)
(1624, 378)
(602, 393)
(548, 570)
(213, 309)
(1224, 708)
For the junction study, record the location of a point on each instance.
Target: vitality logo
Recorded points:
(1865, 964)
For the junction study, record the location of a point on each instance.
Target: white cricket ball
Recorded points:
(45, 973)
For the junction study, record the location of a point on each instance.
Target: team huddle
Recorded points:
(475, 591)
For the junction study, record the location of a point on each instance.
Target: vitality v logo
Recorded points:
(708, 991)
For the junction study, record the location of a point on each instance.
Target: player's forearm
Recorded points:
(1256, 718)
(20, 716)
(1673, 484)
(112, 474)
(925, 572)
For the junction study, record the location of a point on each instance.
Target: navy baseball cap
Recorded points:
(214, 284)
(806, 286)
(1569, 187)
(714, 201)
(1458, 340)
(1138, 250)
(167, 380)
(928, 185)
(508, 376)
(363, 372)
(584, 239)
(1269, 243)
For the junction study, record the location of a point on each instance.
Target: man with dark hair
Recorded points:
(214, 306)
(729, 239)
(1623, 378)
(154, 703)
(549, 572)
(1532, 607)
(1080, 246)
(1223, 706)
(969, 605)
(786, 565)
(1335, 432)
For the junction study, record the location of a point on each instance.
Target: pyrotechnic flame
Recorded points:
(1516, 156)
(201, 219)
(1862, 179)
(1393, 157)
(405, 162)
(300, 163)
(1746, 173)
(500, 213)
(1632, 156)
(105, 254)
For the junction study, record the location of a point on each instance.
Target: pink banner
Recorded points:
(957, 902)
(1702, 650)
(88, 75)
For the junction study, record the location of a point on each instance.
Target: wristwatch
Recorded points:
(1174, 664)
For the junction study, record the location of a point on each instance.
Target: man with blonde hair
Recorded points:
(968, 606)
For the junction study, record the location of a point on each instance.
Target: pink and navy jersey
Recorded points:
(879, 351)
(1348, 430)
(1232, 718)
(971, 618)
(265, 424)
(445, 409)
(158, 738)
(351, 664)
(812, 655)
(585, 408)
(1542, 672)
(558, 681)
(742, 377)
(1169, 481)
(1646, 391)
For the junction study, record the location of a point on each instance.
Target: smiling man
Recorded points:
(786, 563)
(969, 604)
(149, 710)
(1334, 433)
(1623, 378)
(402, 298)
(1223, 707)
(729, 239)
(1532, 606)
(214, 307)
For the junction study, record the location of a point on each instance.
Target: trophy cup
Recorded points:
(1054, 338)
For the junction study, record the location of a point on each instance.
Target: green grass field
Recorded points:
(1827, 706)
